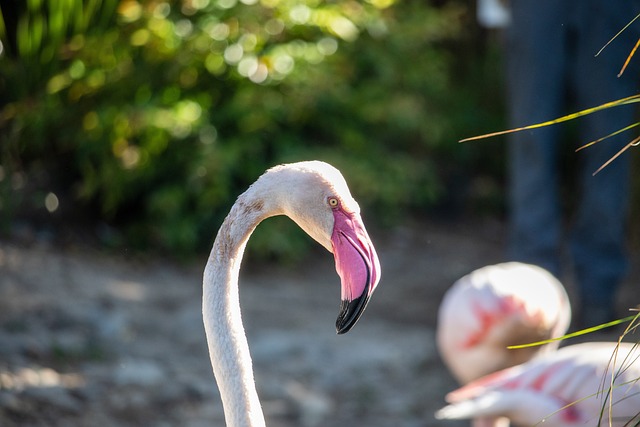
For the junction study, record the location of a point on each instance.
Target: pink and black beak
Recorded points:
(357, 265)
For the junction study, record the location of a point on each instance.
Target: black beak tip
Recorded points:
(350, 312)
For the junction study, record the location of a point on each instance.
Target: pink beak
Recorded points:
(357, 265)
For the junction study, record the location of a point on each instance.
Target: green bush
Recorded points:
(152, 117)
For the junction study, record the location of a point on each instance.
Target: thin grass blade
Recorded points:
(589, 144)
(575, 334)
(617, 34)
(633, 51)
(624, 101)
(615, 156)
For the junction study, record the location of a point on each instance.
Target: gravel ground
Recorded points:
(89, 339)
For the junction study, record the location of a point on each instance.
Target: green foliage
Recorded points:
(153, 116)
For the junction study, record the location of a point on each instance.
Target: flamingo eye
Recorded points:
(333, 202)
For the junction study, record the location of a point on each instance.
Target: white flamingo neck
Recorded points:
(228, 347)
(299, 191)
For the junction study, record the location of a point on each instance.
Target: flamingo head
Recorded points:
(317, 198)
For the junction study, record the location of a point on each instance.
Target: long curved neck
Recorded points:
(228, 347)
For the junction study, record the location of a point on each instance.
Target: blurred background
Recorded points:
(127, 130)
(139, 123)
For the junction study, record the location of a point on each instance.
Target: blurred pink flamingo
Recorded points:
(494, 307)
(585, 384)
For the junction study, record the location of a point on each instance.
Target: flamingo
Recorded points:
(589, 384)
(315, 196)
(494, 307)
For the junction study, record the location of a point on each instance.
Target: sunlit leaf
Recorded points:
(575, 334)
(589, 144)
(624, 101)
(633, 51)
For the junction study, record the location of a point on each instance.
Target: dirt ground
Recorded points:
(88, 339)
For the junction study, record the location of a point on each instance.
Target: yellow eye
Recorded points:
(333, 202)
